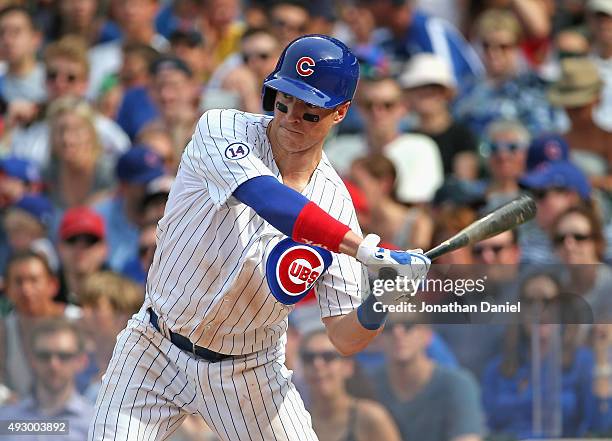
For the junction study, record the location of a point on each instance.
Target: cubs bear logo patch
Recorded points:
(293, 268)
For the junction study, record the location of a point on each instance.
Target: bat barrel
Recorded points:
(505, 218)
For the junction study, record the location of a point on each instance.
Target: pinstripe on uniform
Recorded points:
(207, 282)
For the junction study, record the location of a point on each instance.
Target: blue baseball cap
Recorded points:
(547, 148)
(139, 165)
(558, 174)
(38, 206)
(22, 169)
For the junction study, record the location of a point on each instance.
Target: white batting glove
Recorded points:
(390, 264)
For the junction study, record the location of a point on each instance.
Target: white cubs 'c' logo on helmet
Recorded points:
(304, 66)
(293, 268)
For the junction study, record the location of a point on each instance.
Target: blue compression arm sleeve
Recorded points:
(273, 201)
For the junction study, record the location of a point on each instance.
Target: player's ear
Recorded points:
(341, 111)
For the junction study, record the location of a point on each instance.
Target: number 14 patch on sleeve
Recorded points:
(237, 151)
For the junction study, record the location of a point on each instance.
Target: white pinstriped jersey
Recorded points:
(208, 277)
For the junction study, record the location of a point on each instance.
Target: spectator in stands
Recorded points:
(506, 91)
(556, 186)
(599, 21)
(336, 414)
(77, 173)
(260, 51)
(189, 46)
(508, 387)
(412, 384)
(31, 287)
(379, 101)
(160, 141)
(430, 87)
(136, 108)
(411, 31)
(108, 301)
(497, 259)
(122, 210)
(578, 241)
(82, 247)
(175, 94)
(57, 349)
(17, 178)
(568, 43)
(448, 221)
(27, 224)
(131, 78)
(288, 20)
(396, 224)
(137, 57)
(137, 268)
(137, 22)
(578, 91)
(507, 141)
(67, 70)
(81, 17)
(23, 84)
(601, 342)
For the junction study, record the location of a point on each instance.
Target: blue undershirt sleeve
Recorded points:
(278, 204)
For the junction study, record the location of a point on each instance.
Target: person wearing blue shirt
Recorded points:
(410, 31)
(508, 386)
(122, 211)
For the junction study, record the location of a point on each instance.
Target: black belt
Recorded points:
(185, 344)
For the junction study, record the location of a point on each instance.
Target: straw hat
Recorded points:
(580, 83)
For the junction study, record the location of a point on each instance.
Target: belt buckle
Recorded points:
(193, 349)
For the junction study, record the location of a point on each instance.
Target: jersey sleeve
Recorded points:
(339, 290)
(224, 152)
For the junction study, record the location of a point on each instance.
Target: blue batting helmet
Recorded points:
(316, 69)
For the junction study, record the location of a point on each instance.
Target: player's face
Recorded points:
(324, 369)
(295, 134)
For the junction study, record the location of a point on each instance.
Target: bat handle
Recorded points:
(437, 251)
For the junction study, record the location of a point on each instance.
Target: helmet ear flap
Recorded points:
(269, 97)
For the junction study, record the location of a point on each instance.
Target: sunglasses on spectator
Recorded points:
(390, 325)
(387, 105)
(559, 239)
(143, 250)
(280, 23)
(479, 250)
(261, 56)
(308, 357)
(540, 194)
(53, 75)
(487, 45)
(87, 239)
(511, 147)
(46, 356)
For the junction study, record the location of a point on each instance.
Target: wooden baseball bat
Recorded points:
(505, 218)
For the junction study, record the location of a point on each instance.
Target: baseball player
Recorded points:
(256, 219)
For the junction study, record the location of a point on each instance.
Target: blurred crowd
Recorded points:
(462, 106)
